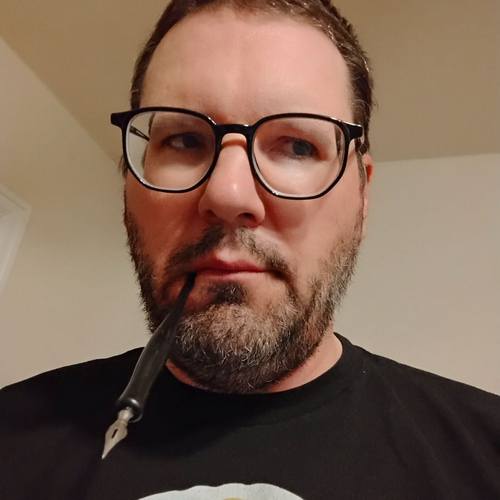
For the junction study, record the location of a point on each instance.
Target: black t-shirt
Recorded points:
(369, 428)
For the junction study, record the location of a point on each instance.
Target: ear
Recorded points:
(368, 167)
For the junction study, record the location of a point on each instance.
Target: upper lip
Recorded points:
(229, 266)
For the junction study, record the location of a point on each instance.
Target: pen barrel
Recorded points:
(153, 357)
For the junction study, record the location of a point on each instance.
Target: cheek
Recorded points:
(163, 218)
(310, 229)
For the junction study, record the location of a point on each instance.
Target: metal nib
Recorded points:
(117, 431)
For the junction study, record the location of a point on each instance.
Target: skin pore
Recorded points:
(270, 329)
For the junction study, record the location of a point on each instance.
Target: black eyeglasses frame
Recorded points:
(351, 131)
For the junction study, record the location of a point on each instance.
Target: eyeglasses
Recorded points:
(293, 155)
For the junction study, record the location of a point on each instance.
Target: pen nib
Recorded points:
(116, 431)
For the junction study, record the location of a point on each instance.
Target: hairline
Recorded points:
(270, 12)
(277, 11)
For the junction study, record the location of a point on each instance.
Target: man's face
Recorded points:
(270, 271)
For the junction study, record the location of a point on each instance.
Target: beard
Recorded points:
(227, 345)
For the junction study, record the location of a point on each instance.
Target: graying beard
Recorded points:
(263, 360)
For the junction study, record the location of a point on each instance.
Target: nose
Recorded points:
(231, 195)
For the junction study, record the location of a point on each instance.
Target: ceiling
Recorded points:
(437, 69)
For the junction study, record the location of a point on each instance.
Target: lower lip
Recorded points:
(220, 274)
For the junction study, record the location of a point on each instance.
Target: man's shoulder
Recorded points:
(426, 379)
(84, 370)
(425, 393)
(83, 383)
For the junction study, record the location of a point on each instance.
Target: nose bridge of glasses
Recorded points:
(221, 130)
(238, 129)
(233, 128)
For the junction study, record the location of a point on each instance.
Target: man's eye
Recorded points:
(188, 141)
(303, 148)
(296, 148)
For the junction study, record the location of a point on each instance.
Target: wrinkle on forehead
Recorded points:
(222, 63)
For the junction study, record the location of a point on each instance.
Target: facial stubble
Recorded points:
(228, 345)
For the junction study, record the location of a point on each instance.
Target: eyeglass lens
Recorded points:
(293, 155)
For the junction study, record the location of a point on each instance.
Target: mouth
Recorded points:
(224, 269)
(255, 281)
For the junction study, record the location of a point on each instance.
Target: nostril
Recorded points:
(232, 195)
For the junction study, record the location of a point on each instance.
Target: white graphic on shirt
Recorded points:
(233, 491)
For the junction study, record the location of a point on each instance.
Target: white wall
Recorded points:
(70, 295)
(427, 291)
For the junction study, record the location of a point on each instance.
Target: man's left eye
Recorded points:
(302, 148)
(293, 147)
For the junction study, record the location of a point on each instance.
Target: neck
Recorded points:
(324, 357)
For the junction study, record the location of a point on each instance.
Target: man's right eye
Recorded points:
(185, 141)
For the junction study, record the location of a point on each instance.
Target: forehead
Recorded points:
(242, 66)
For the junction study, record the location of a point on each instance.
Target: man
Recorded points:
(260, 398)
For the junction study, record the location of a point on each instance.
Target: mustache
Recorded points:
(216, 237)
(181, 260)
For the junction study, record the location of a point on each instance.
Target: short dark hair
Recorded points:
(319, 13)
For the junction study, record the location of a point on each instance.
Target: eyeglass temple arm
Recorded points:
(356, 134)
(119, 119)
(138, 133)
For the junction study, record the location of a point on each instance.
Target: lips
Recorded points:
(219, 266)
